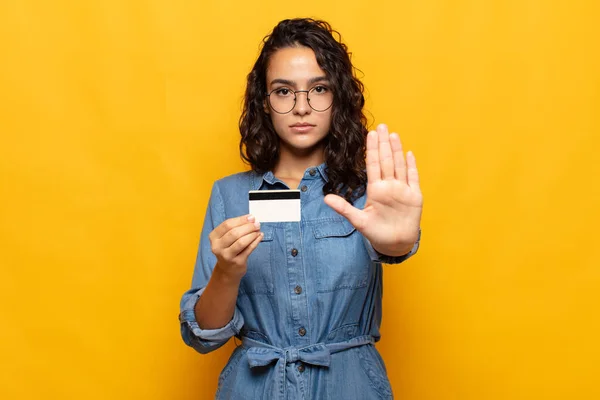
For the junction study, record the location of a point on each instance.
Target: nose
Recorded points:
(302, 107)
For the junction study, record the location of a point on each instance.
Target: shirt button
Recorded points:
(301, 368)
(298, 289)
(312, 172)
(302, 331)
(304, 188)
(294, 252)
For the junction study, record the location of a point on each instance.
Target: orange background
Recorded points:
(117, 116)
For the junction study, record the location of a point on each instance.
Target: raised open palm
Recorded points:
(391, 217)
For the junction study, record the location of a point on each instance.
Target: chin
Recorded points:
(304, 146)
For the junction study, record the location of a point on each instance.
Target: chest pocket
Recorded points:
(259, 267)
(342, 259)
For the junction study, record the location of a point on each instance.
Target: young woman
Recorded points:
(304, 297)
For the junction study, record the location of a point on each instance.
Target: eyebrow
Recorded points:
(311, 81)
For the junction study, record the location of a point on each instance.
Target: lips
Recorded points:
(302, 127)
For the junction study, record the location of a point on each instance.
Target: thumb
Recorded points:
(342, 207)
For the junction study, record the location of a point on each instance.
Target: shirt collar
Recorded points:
(270, 178)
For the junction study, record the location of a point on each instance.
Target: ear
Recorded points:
(266, 107)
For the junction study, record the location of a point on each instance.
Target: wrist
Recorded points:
(394, 251)
(397, 249)
(226, 276)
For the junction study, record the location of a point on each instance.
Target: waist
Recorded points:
(260, 354)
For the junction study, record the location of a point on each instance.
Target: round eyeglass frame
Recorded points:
(295, 98)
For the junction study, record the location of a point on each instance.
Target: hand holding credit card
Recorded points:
(274, 205)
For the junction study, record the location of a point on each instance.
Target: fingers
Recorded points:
(372, 161)
(230, 224)
(236, 233)
(413, 173)
(240, 232)
(241, 245)
(399, 162)
(342, 207)
(244, 234)
(250, 248)
(386, 159)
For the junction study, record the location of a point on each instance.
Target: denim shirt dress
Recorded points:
(309, 307)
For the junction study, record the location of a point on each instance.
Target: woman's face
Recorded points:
(303, 129)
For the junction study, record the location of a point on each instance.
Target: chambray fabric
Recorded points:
(307, 319)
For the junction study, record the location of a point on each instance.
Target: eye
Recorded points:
(320, 89)
(283, 92)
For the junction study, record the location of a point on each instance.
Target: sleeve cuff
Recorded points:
(187, 318)
(382, 258)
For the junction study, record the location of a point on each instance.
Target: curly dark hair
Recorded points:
(346, 140)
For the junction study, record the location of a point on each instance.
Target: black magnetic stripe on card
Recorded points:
(272, 195)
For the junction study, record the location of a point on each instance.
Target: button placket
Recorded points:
(296, 276)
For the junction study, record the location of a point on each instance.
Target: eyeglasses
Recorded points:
(283, 100)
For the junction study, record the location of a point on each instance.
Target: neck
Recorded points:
(293, 164)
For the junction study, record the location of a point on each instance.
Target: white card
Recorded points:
(274, 205)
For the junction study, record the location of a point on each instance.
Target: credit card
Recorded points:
(274, 205)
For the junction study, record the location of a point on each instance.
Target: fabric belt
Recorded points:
(319, 354)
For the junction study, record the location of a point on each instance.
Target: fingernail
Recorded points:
(257, 224)
(251, 218)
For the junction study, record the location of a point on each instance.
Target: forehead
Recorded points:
(293, 63)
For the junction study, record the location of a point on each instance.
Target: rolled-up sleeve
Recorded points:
(382, 258)
(206, 340)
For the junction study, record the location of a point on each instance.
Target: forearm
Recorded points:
(216, 306)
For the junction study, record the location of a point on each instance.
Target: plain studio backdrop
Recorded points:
(117, 116)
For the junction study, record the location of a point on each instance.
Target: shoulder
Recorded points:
(235, 183)
(231, 192)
